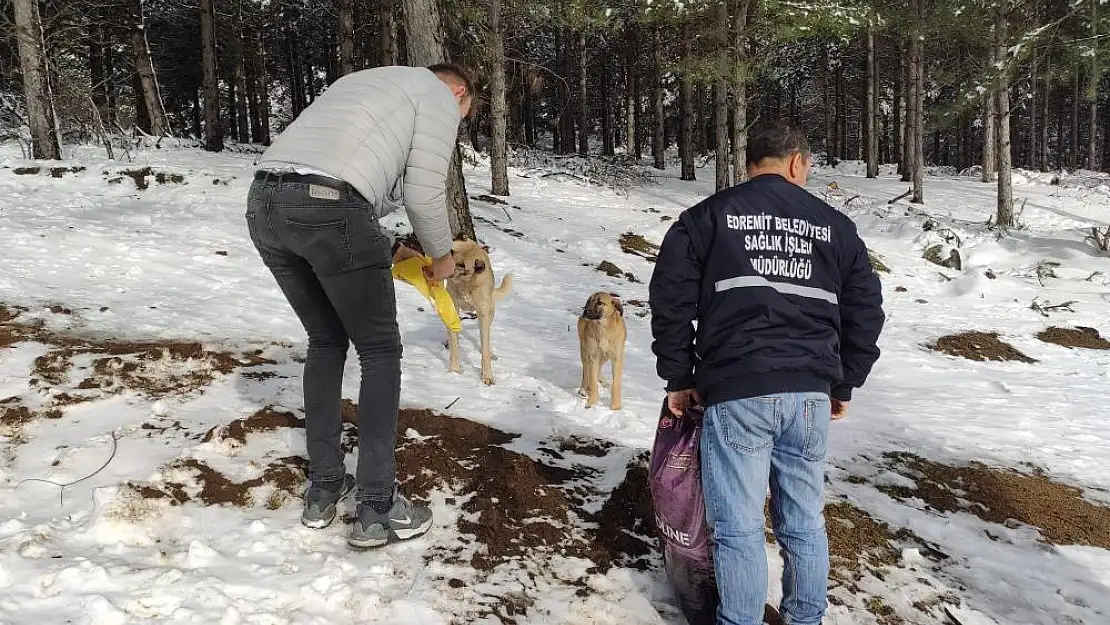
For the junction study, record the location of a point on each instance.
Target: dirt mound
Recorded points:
(285, 477)
(517, 506)
(1004, 496)
(979, 346)
(632, 243)
(614, 271)
(265, 420)
(626, 533)
(1088, 338)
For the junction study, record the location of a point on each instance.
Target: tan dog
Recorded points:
(472, 290)
(601, 336)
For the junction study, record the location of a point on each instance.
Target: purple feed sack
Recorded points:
(679, 503)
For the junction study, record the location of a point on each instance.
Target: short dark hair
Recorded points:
(457, 71)
(775, 140)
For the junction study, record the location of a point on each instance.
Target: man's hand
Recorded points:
(679, 401)
(442, 268)
(839, 409)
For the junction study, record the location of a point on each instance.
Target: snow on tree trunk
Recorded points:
(346, 36)
(213, 131)
(1005, 216)
(499, 161)
(870, 140)
(148, 80)
(424, 42)
(36, 81)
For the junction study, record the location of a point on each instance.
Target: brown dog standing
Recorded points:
(472, 290)
(601, 336)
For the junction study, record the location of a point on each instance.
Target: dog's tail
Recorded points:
(506, 287)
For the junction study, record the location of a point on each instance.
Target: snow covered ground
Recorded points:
(90, 254)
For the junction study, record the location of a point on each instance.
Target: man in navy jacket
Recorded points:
(788, 313)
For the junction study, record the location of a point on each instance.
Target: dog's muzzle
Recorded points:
(591, 314)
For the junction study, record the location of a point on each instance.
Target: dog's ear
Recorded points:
(619, 306)
(479, 266)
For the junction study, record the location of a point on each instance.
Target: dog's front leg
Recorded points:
(618, 371)
(593, 377)
(486, 323)
(453, 345)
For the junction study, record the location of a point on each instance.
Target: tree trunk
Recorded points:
(388, 32)
(720, 96)
(899, 107)
(213, 131)
(582, 100)
(608, 144)
(990, 125)
(631, 93)
(686, 136)
(1073, 159)
(262, 88)
(918, 63)
(1005, 216)
(98, 75)
(906, 155)
(841, 112)
(241, 88)
(529, 109)
(1033, 137)
(346, 36)
(870, 141)
(740, 92)
(659, 119)
(499, 158)
(36, 81)
(424, 41)
(144, 66)
(1092, 93)
(1044, 123)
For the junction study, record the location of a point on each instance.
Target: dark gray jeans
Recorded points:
(332, 261)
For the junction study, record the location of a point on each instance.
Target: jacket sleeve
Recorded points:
(673, 297)
(861, 319)
(433, 142)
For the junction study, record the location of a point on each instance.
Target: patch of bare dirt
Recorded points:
(614, 271)
(154, 368)
(585, 446)
(1087, 338)
(855, 537)
(632, 243)
(14, 416)
(1004, 496)
(284, 476)
(979, 346)
(265, 420)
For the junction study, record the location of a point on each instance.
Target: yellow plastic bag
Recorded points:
(411, 270)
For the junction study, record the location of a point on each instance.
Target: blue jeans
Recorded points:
(746, 443)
